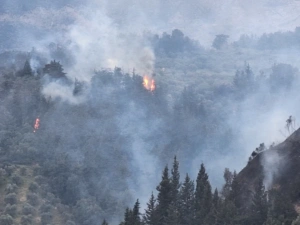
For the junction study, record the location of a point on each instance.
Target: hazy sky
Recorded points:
(200, 19)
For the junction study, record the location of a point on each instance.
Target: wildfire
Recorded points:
(149, 83)
(36, 125)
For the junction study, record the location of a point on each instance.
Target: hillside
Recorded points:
(26, 197)
(279, 165)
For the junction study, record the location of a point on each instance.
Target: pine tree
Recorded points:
(104, 222)
(203, 197)
(259, 206)
(150, 216)
(127, 217)
(281, 210)
(235, 192)
(136, 220)
(227, 214)
(228, 176)
(175, 180)
(54, 69)
(173, 215)
(186, 201)
(27, 71)
(216, 199)
(164, 197)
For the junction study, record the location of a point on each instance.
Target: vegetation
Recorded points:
(198, 205)
(81, 156)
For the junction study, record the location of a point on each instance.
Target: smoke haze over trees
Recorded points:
(103, 139)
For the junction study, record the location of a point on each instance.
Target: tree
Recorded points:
(55, 70)
(136, 220)
(235, 193)
(150, 217)
(27, 71)
(173, 215)
(186, 201)
(281, 208)
(220, 41)
(104, 222)
(228, 176)
(296, 221)
(259, 206)
(216, 199)
(164, 197)
(203, 196)
(175, 181)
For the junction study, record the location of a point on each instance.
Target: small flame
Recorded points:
(36, 125)
(149, 83)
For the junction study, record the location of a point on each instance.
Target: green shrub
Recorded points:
(33, 199)
(11, 188)
(46, 218)
(6, 220)
(39, 179)
(46, 208)
(23, 171)
(11, 210)
(27, 220)
(16, 179)
(28, 209)
(10, 198)
(33, 187)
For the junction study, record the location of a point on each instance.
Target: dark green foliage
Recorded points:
(228, 177)
(55, 70)
(136, 220)
(27, 220)
(220, 41)
(203, 197)
(281, 208)
(175, 183)
(6, 220)
(11, 210)
(259, 206)
(186, 202)
(164, 197)
(104, 222)
(23, 171)
(150, 215)
(235, 194)
(132, 216)
(28, 209)
(10, 198)
(216, 199)
(32, 199)
(46, 218)
(296, 221)
(27, 71)
(78, 145)
(33, 187)
(173, 215)
(87, 212)
(46, 208)
(16, 179)
(11, 188)
(174, 43)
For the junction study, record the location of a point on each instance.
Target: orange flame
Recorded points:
(149, 83)
(36, 125)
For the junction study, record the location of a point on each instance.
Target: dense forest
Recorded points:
(95, 146)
